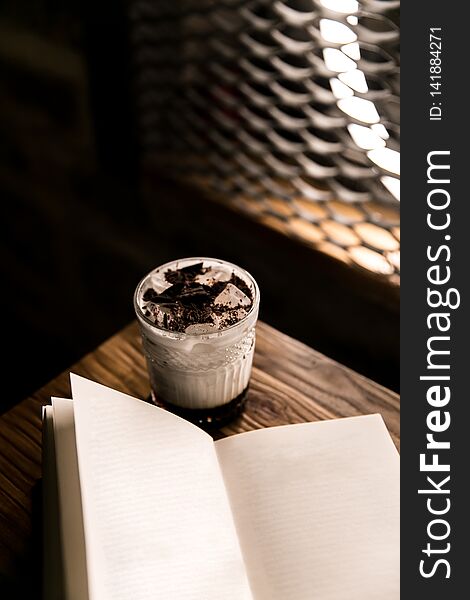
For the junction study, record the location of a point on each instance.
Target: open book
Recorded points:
(142, 505)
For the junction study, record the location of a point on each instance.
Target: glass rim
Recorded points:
(184, 334)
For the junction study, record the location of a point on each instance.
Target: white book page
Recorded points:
(53, 577)
(157, 518)
(70, 505)
(316, 507)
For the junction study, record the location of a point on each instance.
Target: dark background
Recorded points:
(82, 224)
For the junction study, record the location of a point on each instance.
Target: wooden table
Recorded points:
(291, 383)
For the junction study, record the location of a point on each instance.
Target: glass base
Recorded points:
(206, 418)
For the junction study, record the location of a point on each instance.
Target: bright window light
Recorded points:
(380, 130)
(364, 137)
(359, 109)
(372, 135)
(336, 33)
(337, 61)
(352, 50)
(340, 90)
(355, 79)
(386, 158)
(392, 184)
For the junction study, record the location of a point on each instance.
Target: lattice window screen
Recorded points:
(288, 109)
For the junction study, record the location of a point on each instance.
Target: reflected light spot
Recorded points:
(371, 260)
(386, 158)
(337, 61)
(335, 32)
(359, 109)
(364, 137)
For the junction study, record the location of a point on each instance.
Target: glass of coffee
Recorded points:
(197, 318)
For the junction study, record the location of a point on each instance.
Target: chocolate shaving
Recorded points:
(174, 291)
(152, 296)
(185, 274)
(194, 294)
(190, 302)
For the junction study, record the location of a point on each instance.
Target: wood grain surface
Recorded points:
(291, 383)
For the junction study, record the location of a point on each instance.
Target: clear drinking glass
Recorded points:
(200, 376)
